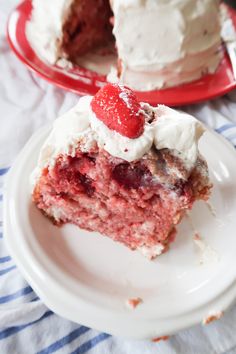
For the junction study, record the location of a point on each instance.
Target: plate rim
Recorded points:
(158, 327)
(85, 90)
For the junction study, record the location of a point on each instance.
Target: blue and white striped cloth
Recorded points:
(27, 326)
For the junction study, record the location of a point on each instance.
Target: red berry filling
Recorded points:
(72, 174)
(131, 176)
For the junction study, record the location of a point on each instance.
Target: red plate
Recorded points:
(84, 81)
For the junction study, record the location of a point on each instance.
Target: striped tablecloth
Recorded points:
(26, 324)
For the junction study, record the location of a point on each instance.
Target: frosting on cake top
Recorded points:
(80, 127)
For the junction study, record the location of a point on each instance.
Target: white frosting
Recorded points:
(173, 130)
(44, 30)
(164, 43)
(179, 132)
(120, 146)
(68, 131)
(160, 43)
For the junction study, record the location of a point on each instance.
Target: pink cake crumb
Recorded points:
(159, 339)
(122, 200)
(133, 302)
(213, 316)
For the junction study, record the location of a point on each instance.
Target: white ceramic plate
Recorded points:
(88, 278)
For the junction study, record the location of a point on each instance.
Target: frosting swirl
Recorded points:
(169, 129)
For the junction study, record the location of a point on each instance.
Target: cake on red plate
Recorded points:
(159, 43)
(123, 168)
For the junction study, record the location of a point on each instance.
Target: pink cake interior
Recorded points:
(87, 27)
(133, 203)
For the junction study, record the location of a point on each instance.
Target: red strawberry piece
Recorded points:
(118, 108)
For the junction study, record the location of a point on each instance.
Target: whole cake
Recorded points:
(123, 168)
(159, 43)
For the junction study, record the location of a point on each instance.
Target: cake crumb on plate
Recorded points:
(211, 208)
(213, 316)
(208, 254)
(158, 339)
(132, 303)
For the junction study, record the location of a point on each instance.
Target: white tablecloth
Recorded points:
(26, 325)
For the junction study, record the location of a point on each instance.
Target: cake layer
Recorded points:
(130, 203)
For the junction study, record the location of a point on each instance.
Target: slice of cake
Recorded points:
(123, 168)
(160, 43)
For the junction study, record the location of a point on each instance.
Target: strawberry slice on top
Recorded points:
(118, 108)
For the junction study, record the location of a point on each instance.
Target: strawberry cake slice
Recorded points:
(123, 168)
